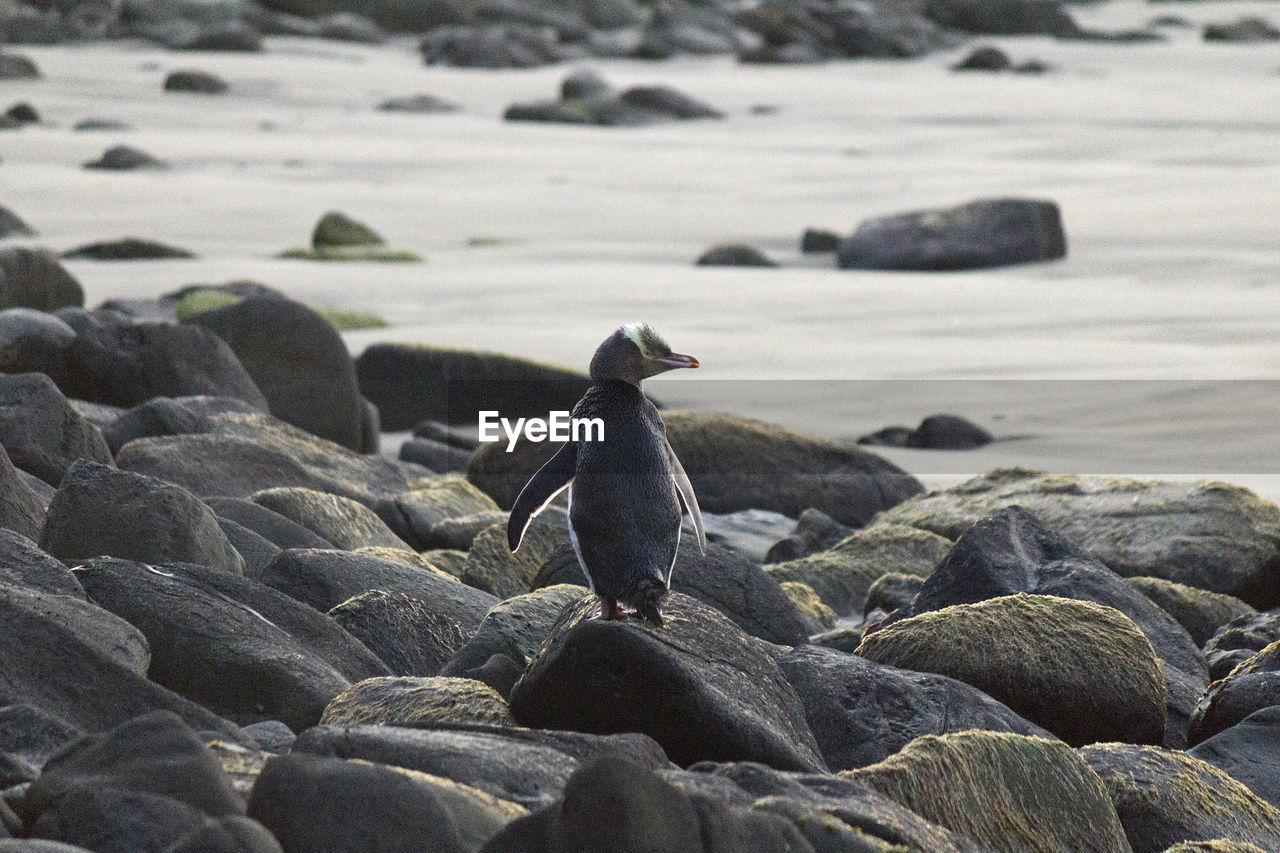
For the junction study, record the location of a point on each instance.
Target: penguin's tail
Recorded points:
(650, 593)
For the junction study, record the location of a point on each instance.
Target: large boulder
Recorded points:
(344, 522)
(241, 649)
(1207, 535)
(33, 278)
(408, 634)
(492, 567)
(1201, 612)
(1251, 686)
(21, 509)
(410, 383)
(722, 699)
(1005, 791)
(170, 416)
(299, 362)
(99, 510)
(282, 532)
(1248, 752)
(22, 563)
(42, 433)
(416, 515)
(862, 712)
(1164, 797)
(1083, 671)
(519, 625)
(30, 737)
(418, 703)
(736, 463)
(32, 340)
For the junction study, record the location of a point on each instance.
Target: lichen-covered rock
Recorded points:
(1201, 612)
(1083, 671)
(1207, 535)
(415, 514)
(418, 703)
(41, 432)
(33, 278)
(410, 636)
(493, 568)
(808, 603)
(126, 249)
(721, 698)
(1006, 791)
(843, 574)
(1165, 797)
(516, 626)
(1251, 686)
(344, 522)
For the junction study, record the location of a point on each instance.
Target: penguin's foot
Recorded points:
(609, 609)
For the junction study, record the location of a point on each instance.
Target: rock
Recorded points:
(1201, 613)
(417, 104)
(256, 550)
(493, 568)
(402, 555)
(891, 591)
(432, 454)
(126, 249)
(1081, 670)
(235, 36)
(316, 803)
(862, 712)
(409, 383)
(342, 521)
(21, 509)
(12, 225)
(241, 649)
(41, 432)
(169, 416)
(23, 564)
(721, 578)
(491, 46)
(1250, 687)
(1005, 791)
(815, 240)
(124, 158)
(99, 124)
(33, 278)
(233, 833)
(1247, 29)
(1218, 845)
(584, 83)
(346, 26)
(112, 819)
(1164, 797)
(415, 515)
(1004, 17)
(100, 510)
(668, 101)
(734, 255)
(418, 703)
(515, 627)
(22, 113)
(406, 633)
(842, 575)
(526, 766)
(30, 737)
(984, 58)
(1248, 753)
(325, 579)
(192, 80)
(724, 699)
(734, 464)
(31, 337)
(809, 605)
(281, 532)
(1212, 536)
(81, 664)
(244, 454)
(984, 233)
(948, 432)
(338, 237)
(15, 66)
(1239, 640)
(814, 531)
(298, 360)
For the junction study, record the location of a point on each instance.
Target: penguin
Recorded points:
(627, 490)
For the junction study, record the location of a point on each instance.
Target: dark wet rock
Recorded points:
(299, 362)
(809, 32)
(406, 633)
(113, 819)
(241, 649)
(282, 532)
(1251, 686)
(100, 510)
(842, 575)
(12, 225)
(1081, 670)
(893, 436)
(29, 737)
(584, 83)
(41, 432)
(1164, 797)
(33, 338)
(984, 233)
(409, 383)
(819, 240)
(192, 80)
(256, 550)
(21, 509)
(721, 578)
(491, 46)
(862, 712)
(233, 834)
(1005, 791)
(15, 66)
(724, 699)
(1247, 29)
(734, 255)
(891, 591)
(493, 568)
(22, 113)
(664, 100)
(1202, 613)
(244, 454)
(814, 531)
(124, 158)
(984, 58)
(840, 639)
(346, 523)
(91, 124)
(325, 579)
(271, 735)
(169, 416)
(416, 514)
(23, 564)
(347, 26)
(126, 249)
(735, 464)
(434, 455)
(1240, 639)
(948, 432)
(33, 278)
(1248, 752)
(317, 803)
(1003, 17)
(417, 104)
(418, 703)
(1212, 536)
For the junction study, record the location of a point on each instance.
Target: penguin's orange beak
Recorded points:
(677, 360)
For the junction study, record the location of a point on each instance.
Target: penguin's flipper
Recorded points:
(687, 497)
(538, 492)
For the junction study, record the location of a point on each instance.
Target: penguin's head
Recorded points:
(635, 352)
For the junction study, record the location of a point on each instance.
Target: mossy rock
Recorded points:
(1251, 686)
(1005, 791)
(352, 253)
(418, 703)
(204, 299)
(345, 320)
(338, 229)
(808, 603)
(1201, 612)
(1081, 670)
